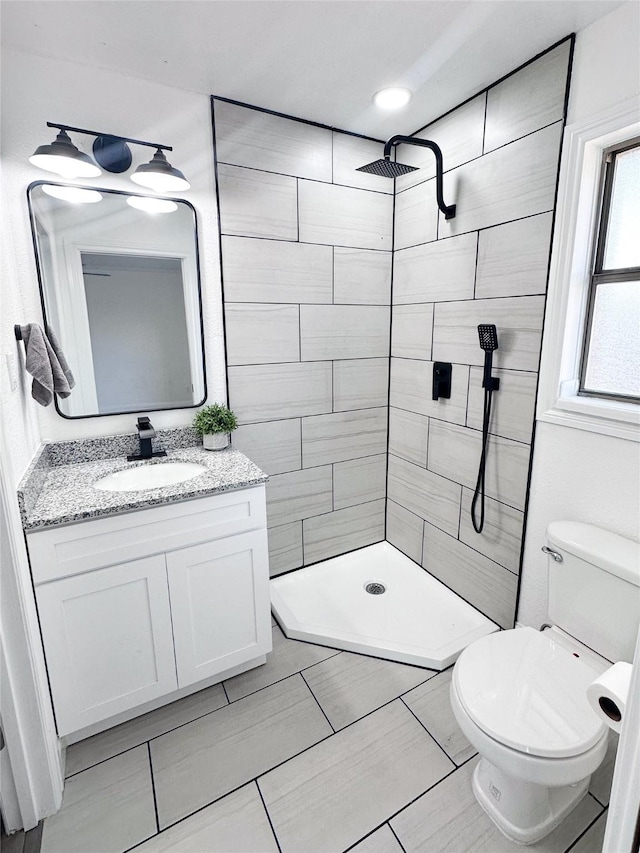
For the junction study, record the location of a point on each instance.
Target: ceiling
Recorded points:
(315, 59)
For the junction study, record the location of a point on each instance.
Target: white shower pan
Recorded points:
(416, 620)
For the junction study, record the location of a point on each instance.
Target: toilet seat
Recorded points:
(527, 692)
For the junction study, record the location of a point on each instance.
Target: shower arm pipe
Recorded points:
(448, 210)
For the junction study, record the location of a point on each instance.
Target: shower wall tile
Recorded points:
(519, 322)
(361, 277)
(411, 331)
(276, 271)
(300, 494)
(528, 100)
(435, 272)
(408, 436)
(359, 480)
(501, 535)
(275, 446)
(459, 136)
(360, 383)
(342, 216)
(424, 493)
(259, 140)
(257, 204)
(454, 452)
(262, 333)
(416, 216)
(344, 435)
(488, 586)
(411, 384)
(512, 407)
(512, 182)
(351, 152)
(513, 259)
(276, 391)
(285, 548)
(344, 530)
(404, 530)
(344, 331)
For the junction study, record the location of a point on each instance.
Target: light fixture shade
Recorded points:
(63, 158)
(158, 174)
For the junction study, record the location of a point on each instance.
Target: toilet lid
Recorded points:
(528, 692)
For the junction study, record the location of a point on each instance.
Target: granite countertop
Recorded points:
(67, 495)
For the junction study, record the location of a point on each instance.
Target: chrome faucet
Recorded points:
(146, 434)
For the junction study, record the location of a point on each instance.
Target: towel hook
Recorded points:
(17, 330)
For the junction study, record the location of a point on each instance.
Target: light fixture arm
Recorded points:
(448, 210)
(99, 134)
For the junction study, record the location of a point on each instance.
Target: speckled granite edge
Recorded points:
(53, 494)
(32, 481)
(110, 446)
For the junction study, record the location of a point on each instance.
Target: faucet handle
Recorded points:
(145, 427)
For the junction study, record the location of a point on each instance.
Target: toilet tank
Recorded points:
(594, 592)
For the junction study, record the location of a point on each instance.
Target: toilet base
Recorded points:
(523, 811)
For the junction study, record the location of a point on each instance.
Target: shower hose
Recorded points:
(478, 494)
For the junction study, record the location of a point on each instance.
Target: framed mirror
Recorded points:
(120, 287)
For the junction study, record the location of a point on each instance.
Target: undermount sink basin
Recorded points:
(149, 476)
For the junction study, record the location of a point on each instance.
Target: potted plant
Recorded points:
(214, 423)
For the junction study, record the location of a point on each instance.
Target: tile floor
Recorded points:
(317, 751)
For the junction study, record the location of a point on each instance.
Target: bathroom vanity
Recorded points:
(145, 596)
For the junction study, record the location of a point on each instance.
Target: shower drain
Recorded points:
(375, 588)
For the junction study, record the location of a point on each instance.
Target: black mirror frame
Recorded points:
(199, 285)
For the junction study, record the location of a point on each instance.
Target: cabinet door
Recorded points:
(108, 641)
(219, 604)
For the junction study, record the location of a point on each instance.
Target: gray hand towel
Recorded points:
(45, 361)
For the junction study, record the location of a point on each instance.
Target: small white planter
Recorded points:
(215, 441)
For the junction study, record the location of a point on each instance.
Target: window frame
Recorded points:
(575, 219)
(599, 275)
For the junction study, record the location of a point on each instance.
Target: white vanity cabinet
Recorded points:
(138, 606)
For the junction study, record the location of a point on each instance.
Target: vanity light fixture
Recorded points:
(158, 174)
(63, 158)
(77, 195)
(113, 154)
(392, 98)
(152, 205)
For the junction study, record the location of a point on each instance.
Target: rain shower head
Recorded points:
(385, 168)
(488, 335)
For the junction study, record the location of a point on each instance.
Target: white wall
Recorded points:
(579, 475)
(37, 90)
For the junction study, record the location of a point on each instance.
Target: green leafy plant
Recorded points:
(214, 419)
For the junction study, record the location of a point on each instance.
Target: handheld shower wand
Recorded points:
(488, 336)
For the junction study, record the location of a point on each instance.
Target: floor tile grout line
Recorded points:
(593, 822)
(266, 811)
(441, 748)
(153, 787)
(334, 730)
(406, 806)
(226, 695)
(396, 836)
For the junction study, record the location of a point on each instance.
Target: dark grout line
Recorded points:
(266, 811)
(441, 748)
(593, 822)
(396, 836)
(153, 787)
(318, 702)
(226, 695)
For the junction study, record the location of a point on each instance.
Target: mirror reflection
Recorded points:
(120, 288)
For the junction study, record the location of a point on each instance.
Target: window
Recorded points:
(611, 356)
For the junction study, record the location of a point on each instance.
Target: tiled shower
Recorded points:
(330, 279)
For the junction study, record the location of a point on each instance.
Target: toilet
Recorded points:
(519, 696)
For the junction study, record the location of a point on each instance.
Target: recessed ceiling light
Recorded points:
(152, 205)
(392, 98)
(74, 194)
